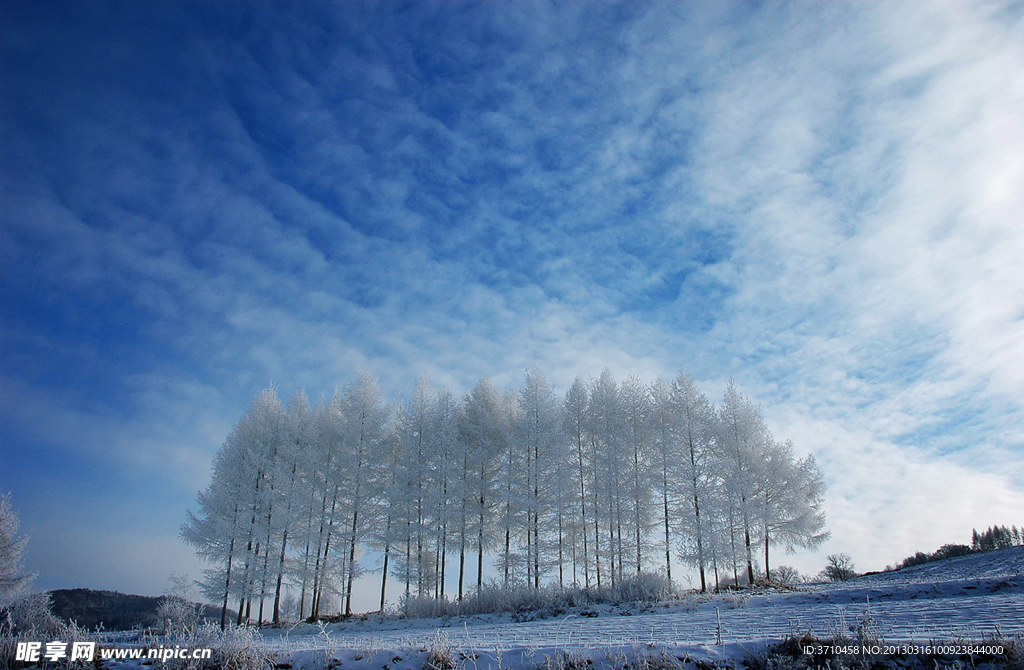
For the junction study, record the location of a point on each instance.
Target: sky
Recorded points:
(821, 202)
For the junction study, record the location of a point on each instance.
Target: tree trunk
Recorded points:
(227, 587)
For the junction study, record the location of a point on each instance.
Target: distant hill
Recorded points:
(114, 611)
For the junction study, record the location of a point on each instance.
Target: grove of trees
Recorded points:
(588, 489)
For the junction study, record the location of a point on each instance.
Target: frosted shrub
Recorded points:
(30, 620)
(413, 607)
(235, 648)
(566, 660)
(865, 632)
(646, 659)
(547, 601)
(735, 600)
(441, 655)
(644, 587)
(180, 616)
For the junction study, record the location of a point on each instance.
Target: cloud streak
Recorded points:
(818, 202)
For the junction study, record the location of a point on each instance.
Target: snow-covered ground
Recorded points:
(967, 598)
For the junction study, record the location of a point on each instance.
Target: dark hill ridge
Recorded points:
(113, 610)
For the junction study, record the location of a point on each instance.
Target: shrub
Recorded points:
(839, 568)
(441, 655)
(30, 620)
(644, 587)
(180, 616)
(235, 648)
(785, 574)
(539, 603)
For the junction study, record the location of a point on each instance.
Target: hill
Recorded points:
(112, 610)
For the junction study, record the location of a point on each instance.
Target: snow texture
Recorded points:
(966, 598)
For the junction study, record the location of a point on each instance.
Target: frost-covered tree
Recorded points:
(260, 436)
(444, 473)
(791, 499)
(537, 431)
(601, 480)
(484, 431)
(512, 500)
(742, 447)
(13, 580)
(604, 432)
(365, 417)
(319, 565)
(665, 459)
(407, 486)
(225, 530)
(574, 426)
(635, 408)
(391, 529)
(694, 429)
(299, 434)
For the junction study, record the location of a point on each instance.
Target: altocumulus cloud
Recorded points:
(819, 202)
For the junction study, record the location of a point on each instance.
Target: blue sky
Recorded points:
(820, 202)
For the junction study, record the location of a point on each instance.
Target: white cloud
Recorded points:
(823, 204)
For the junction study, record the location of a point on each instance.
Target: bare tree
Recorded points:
(839, 568)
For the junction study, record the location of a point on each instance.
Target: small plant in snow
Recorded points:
(441, 655)
(329, 647)
(566, 660)
(648, 660)
(865, 631)
(177, 611)
(234, 648)
(734, 599)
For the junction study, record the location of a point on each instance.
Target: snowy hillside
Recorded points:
(970, 596)
(963, 599)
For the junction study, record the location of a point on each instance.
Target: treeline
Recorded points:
(995, 537)
(588, 489)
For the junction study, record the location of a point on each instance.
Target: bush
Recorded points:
(784, 574)
(441, 655)
(30, 620)
(945, 551)
(644, 587)
(544, 602)
(839, 568)
(180, 616)
(951, 551)
(235, 648)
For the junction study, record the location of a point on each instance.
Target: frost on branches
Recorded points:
(610, 481)
(13, 582)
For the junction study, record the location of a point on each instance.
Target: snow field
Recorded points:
(958, 600)
(969, 597)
